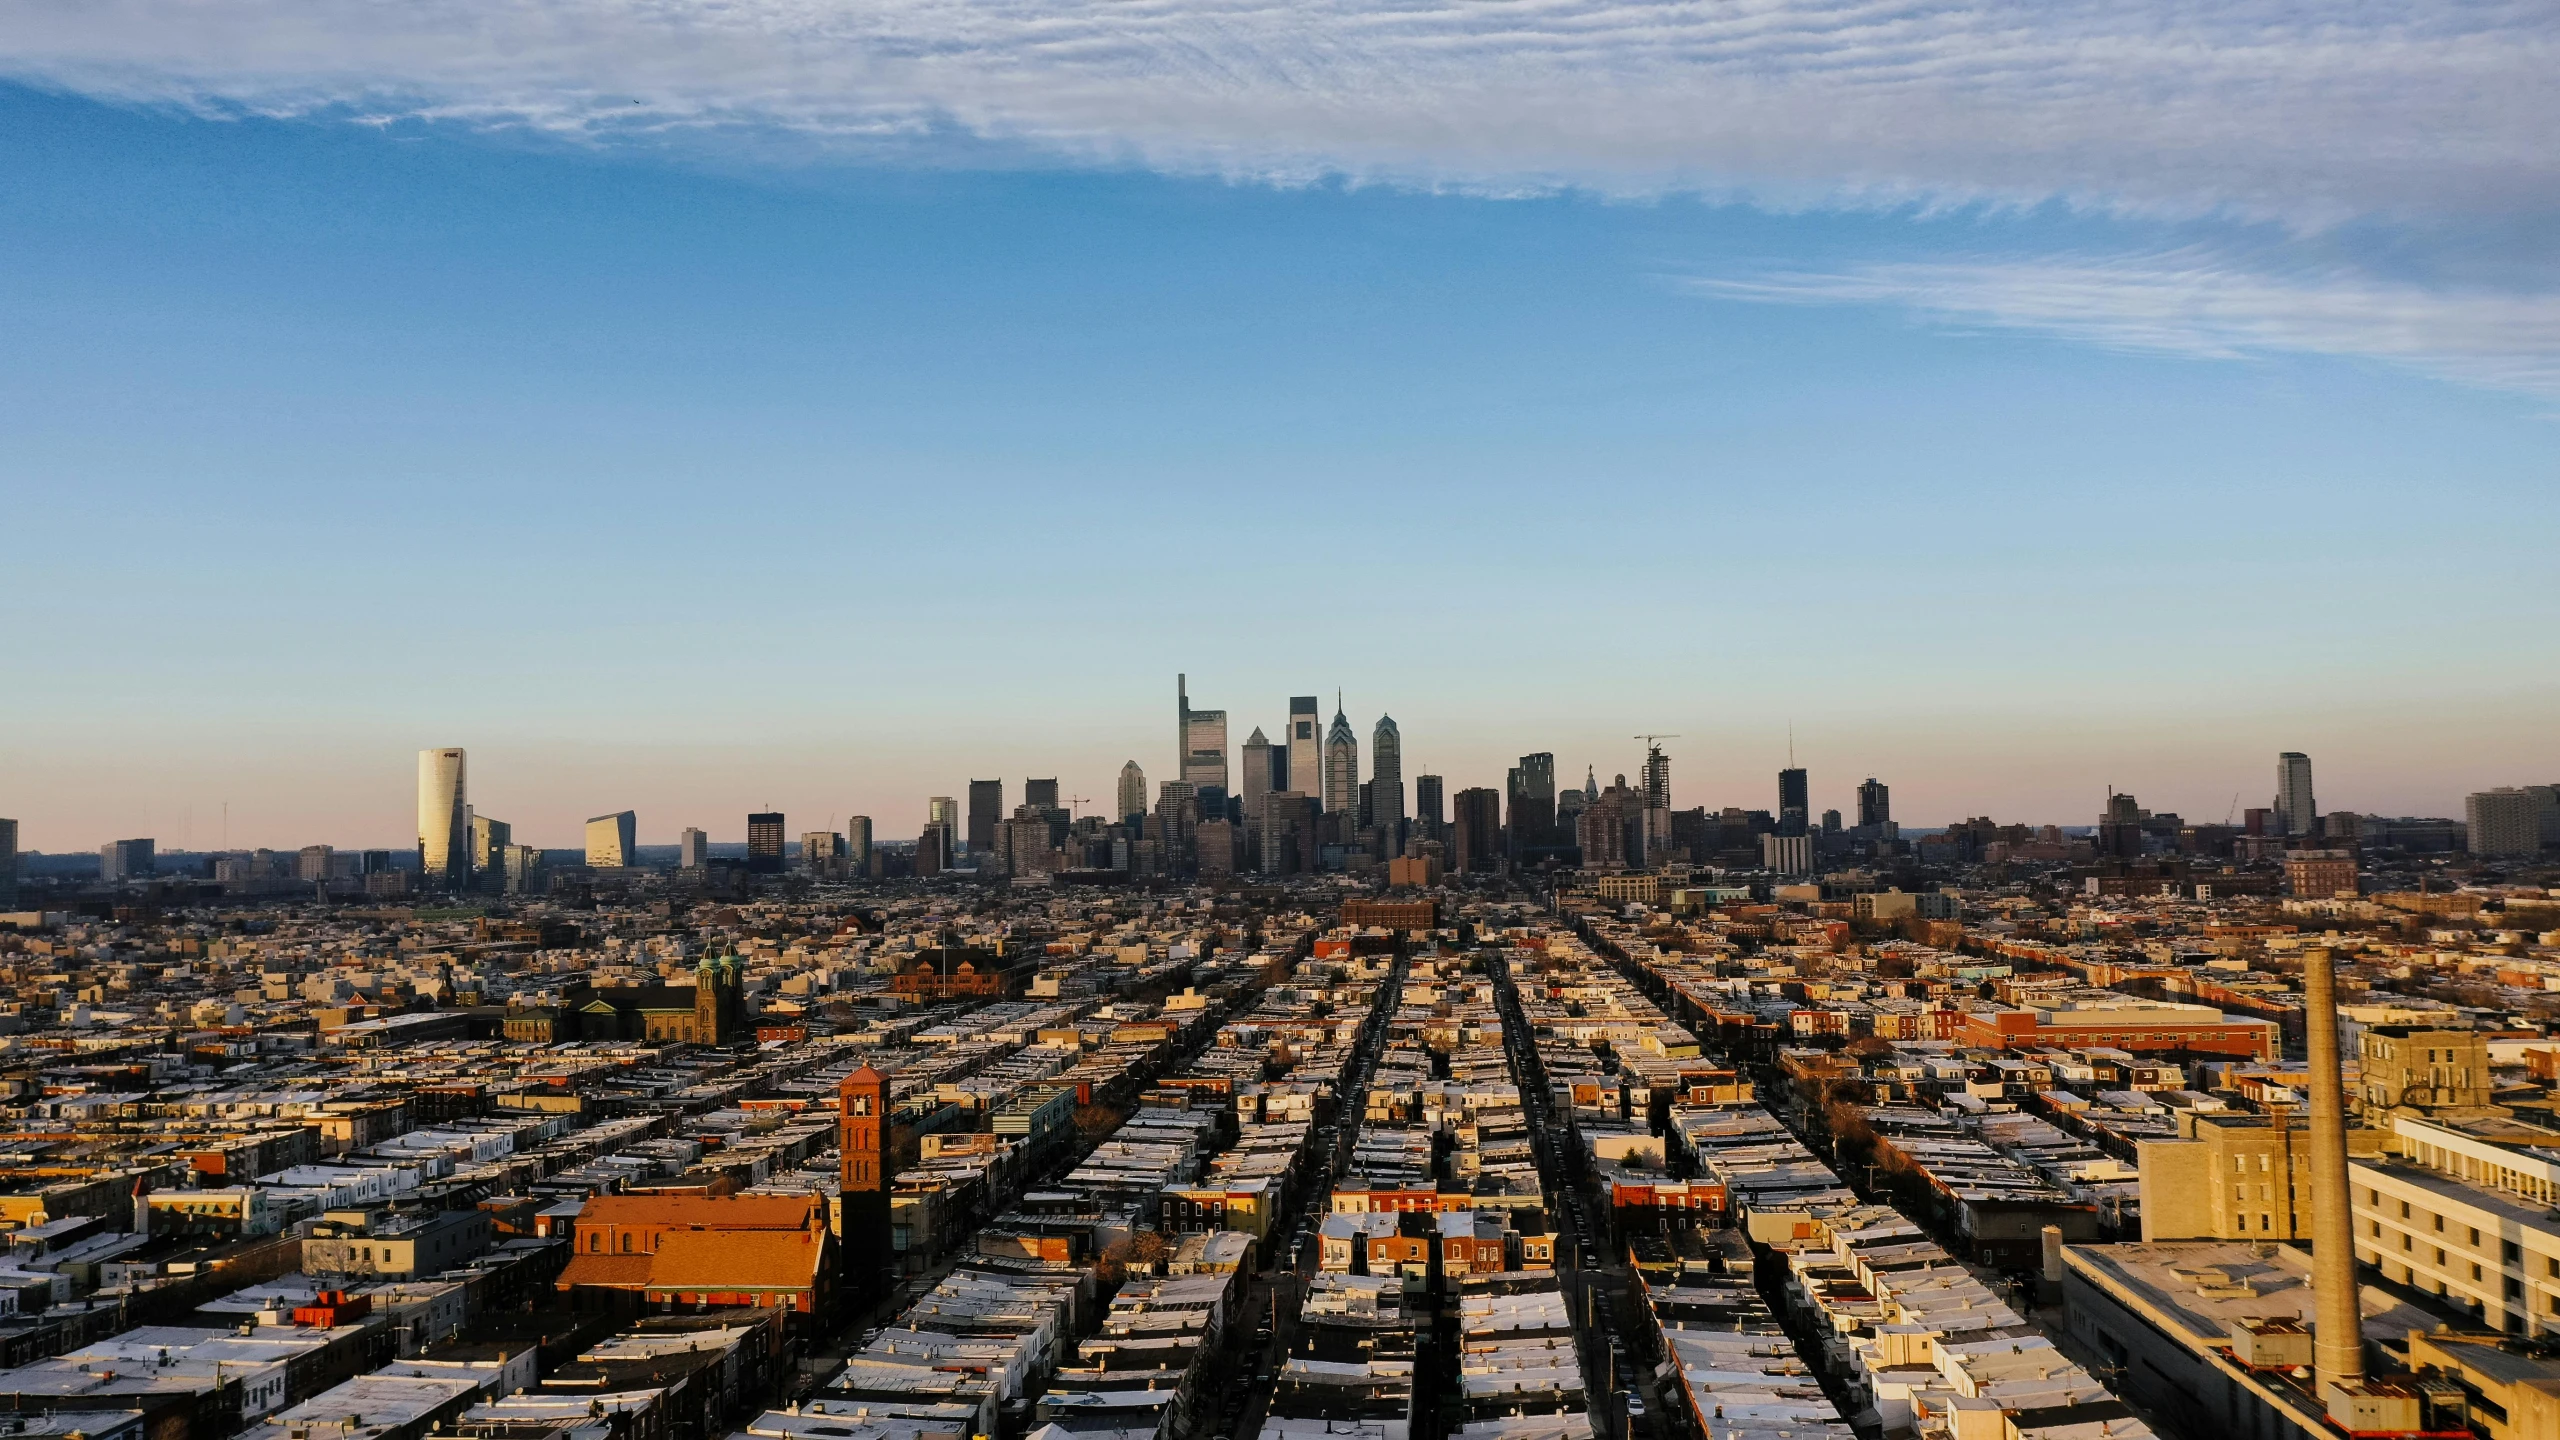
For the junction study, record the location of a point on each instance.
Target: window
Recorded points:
(2475, 1237)
(2439, 1223)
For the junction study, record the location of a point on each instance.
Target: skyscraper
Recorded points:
(764, 842)
(1657, 778)
(1533, 802)
(1476, 831)
(1203, 735)
(1287, 833)
(693, 849)
(857, 842)
(986, 811)
(1256, 780)
(1041, 795)
(1341, 765)
(2295, 812)
(1875, 803)
(933, 848)
(1795, 804)
(444, 820)
(1427, 802)
(1386, 781)
(1306, 748)
(1176, 822)
(489, 842)
(612, 839)
(944, 811)
(1133, 790)
(8, 864)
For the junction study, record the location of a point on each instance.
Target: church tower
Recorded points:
(706, 1002)
(861, 1140)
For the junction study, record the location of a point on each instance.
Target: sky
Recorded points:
(700, 408)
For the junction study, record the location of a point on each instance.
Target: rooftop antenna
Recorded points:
(1791, 744)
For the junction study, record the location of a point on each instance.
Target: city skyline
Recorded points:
(545, 813)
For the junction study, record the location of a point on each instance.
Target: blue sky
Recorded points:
(698, 439)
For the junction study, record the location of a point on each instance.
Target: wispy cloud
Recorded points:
(2195, 304)
(2287, 109)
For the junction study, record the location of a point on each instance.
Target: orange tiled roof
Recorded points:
(751, 1260)
(621, 1272)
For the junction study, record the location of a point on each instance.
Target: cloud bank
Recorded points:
(2290, 109)
(2190, 303)
(2436, 118)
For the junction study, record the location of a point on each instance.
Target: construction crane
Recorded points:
(2234, 811)
(1649, 739)
(1075, 800)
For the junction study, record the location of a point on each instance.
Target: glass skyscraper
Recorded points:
(444, 820)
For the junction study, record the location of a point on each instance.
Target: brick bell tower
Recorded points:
(861, 1138)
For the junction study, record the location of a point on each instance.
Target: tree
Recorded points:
(1142, 1251)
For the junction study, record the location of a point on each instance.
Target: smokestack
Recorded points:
(2337, 1335)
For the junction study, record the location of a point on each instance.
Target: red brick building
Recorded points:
(670, 1252)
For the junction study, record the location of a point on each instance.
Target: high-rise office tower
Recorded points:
(1133, 790)
(693, 849)
(986, 811)
(523, 872)
(1203, 734)
(857, 842)
(1533, 801)
(1427, 803)
(1306, 748)
(1176, 822)
(1041, 795)
(1341, 765)
(764, 842)
(1386, 781)
(1875, 803)
(1255, 782)
(933, 848)
(8, 864)
(444, 820)
(1795, 804)
(2294, 807)
(489, 841)
(612, 840)
(1476, 831)
(121, 860)
(1287, 836)
(944, 811)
